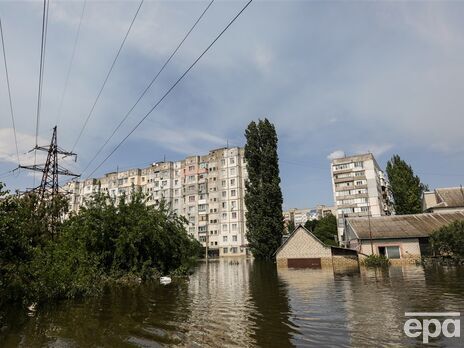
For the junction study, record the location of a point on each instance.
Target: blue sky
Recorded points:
(385, 77)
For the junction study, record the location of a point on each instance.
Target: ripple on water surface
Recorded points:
(248, 304)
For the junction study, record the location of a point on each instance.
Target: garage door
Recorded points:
(304, 263)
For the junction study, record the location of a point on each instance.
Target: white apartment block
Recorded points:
(207, 190)
(297, 216)
(360, 188)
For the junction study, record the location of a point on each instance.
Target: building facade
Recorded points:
(401, 238)
(449, 199)
(360, 188)
(207, 190)
(296, 216)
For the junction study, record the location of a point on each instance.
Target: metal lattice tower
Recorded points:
(51, 169)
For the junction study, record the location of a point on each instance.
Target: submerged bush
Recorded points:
(449, 240)
(43, 258)
(376, 261)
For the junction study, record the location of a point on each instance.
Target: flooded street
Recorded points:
(249, 304)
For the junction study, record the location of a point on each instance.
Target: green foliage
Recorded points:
(44, 258)
(325, 229)
(406, 187)
(310, 225)
(376, 261)
(263, 198)
(449, 240)
(291, 226)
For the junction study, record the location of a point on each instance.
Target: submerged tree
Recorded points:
(406, 187)
(263, 198)
(449, 240)
(326, 229)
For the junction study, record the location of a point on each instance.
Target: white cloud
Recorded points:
(184, 141)
(336, 154)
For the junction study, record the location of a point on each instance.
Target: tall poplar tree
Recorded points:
(406, 187)
(263, 197)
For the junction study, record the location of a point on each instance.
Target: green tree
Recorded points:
(310, 225)
(449, 240)
(326, 229)
(406, 187)
(291, 226)
(263, 197)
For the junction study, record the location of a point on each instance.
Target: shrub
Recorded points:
(449, 240)
(376, 261)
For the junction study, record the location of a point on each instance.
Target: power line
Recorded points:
(148, 87)
(172, 87)
(107, 76)
(41, 73)
(76, 39)
(9, 91)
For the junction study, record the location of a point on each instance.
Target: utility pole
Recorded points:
(51, 169)
(48, 189)
(370, 229)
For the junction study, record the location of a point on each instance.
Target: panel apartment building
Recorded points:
(207, 190)
(360, 188)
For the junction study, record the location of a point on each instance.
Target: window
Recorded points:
(232, 182)
(234, 238)
(191, 198)
(233, 250)
(224, 205)
(232, 171)
(224, 227)
(223, 183)
(234, 227)
(224, 238)
(233, 193)
(358, 164)
(231, 160)
(225, 250)
(392, 252)
(234, 215)
(191, 168)
(224, 194)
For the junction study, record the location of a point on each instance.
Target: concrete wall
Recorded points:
(409, 248)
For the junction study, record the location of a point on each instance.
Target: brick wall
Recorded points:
(303, 245)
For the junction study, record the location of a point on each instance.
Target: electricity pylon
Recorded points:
(51, 169)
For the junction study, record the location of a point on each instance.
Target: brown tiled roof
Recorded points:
(401, 226)
(451, 197)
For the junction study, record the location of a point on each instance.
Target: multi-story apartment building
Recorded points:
(360, 188)
(207, 190)
(296, 216)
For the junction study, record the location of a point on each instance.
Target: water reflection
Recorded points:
(248, 304)
(271, 311)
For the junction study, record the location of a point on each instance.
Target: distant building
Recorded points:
(360, 188)
(207, 190)
(402, 238)
(297, 216)
(443, 200)
(324, 210)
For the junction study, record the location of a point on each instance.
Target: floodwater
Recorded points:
(249, 304)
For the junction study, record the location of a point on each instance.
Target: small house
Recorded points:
(303, 249)
(401, 238)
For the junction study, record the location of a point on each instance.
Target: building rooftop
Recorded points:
(449, 197)
(401, 226)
